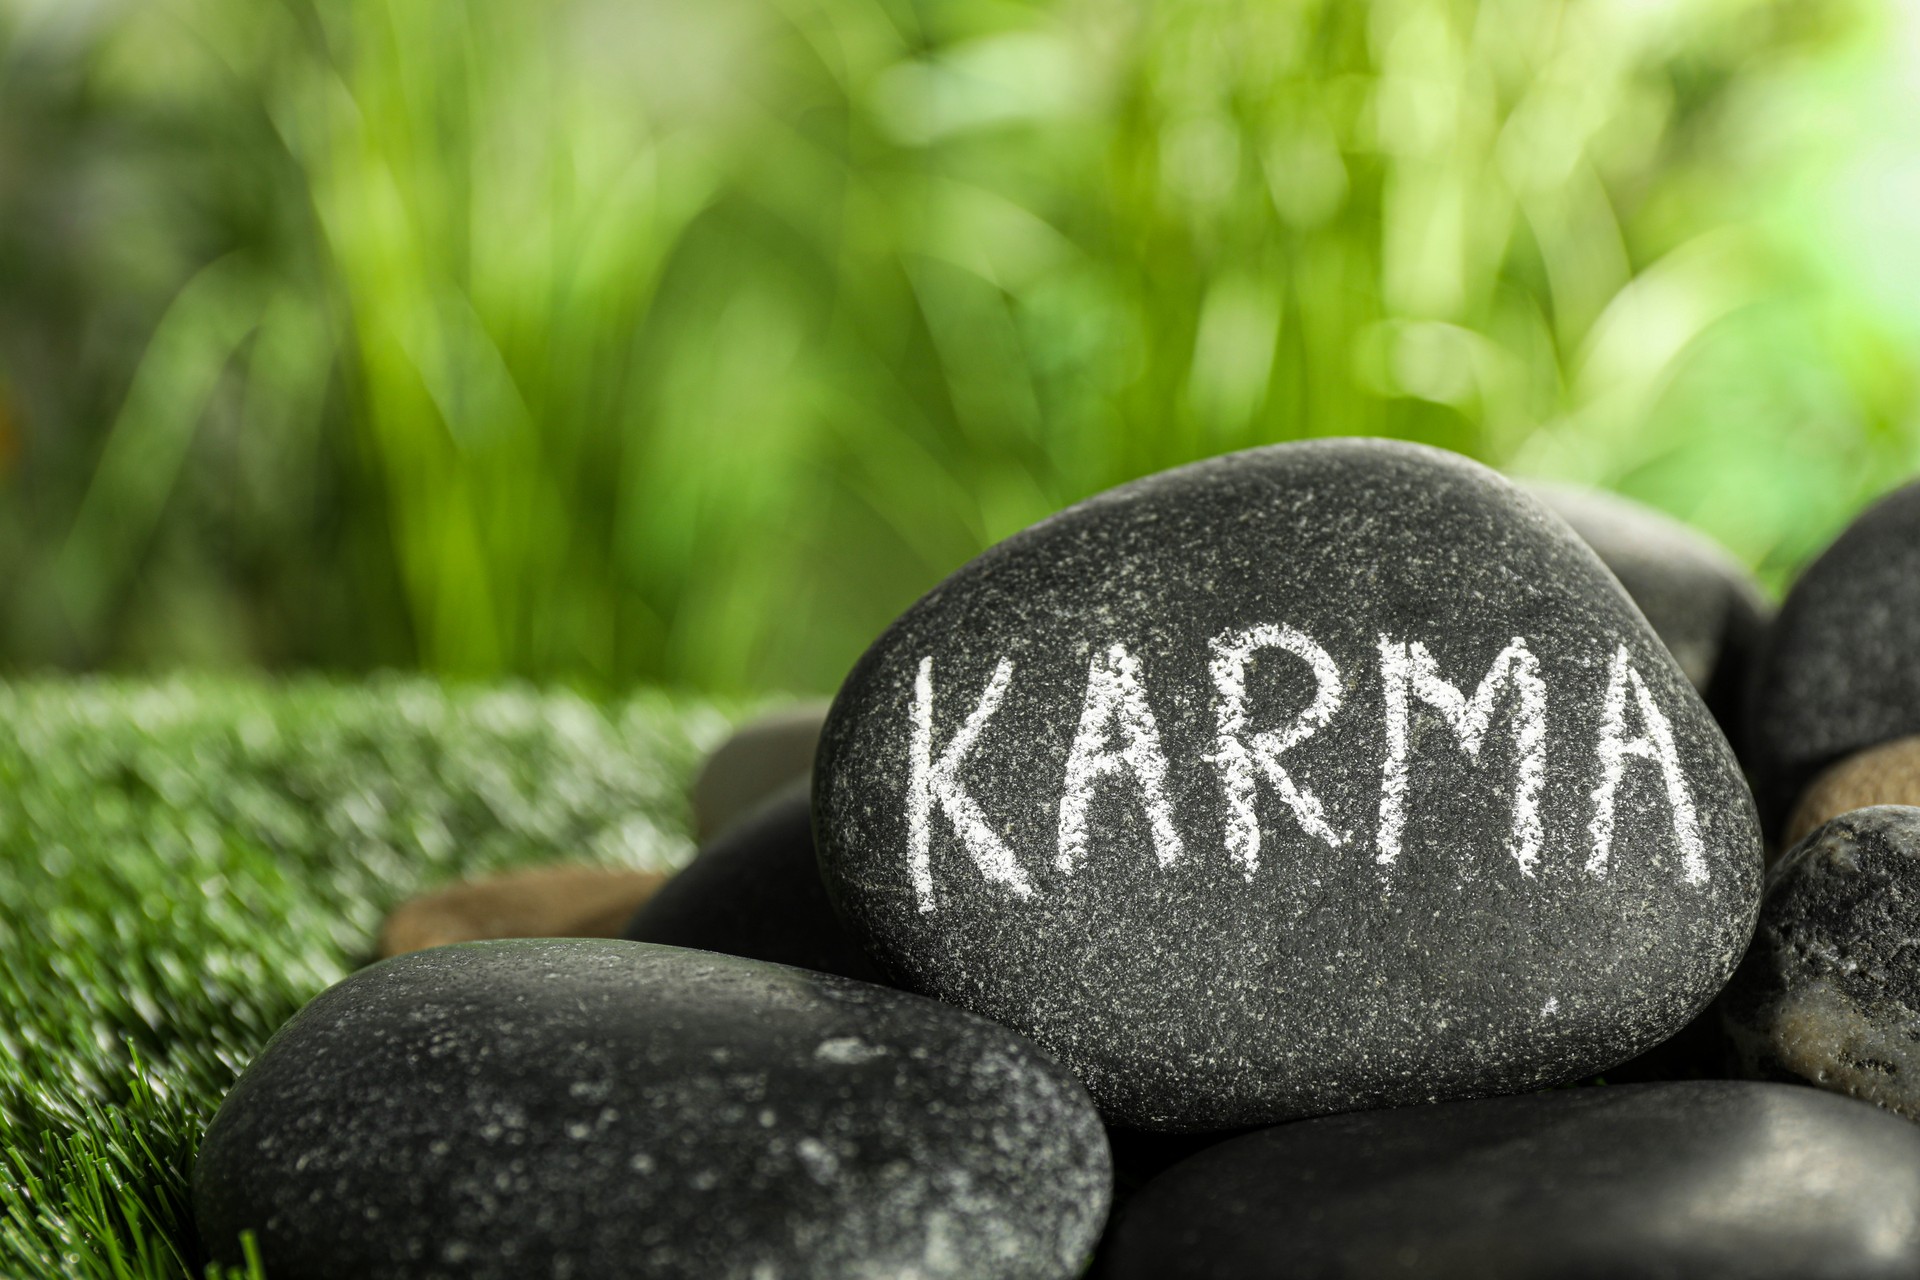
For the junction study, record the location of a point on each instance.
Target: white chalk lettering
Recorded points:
(1242, 757)
(1115, 701)
(933, 782)
(1408, 671)
(1118, 757)
(1655, 743)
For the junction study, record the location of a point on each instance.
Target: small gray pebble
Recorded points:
(756, 762)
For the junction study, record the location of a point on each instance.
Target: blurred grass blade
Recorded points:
(689, 340)
(173, 388)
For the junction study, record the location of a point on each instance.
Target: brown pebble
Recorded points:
(1886, 774)
(544, 902)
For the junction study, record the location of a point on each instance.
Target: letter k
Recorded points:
(932, 782)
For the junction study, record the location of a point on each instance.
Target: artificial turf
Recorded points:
(183, 864)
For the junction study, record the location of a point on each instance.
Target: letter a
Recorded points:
(1115, 700)
(1655, 743)
(931, 782)
(1408, 671)
(1243, 758)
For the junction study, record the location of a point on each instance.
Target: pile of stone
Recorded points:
(1220, 878)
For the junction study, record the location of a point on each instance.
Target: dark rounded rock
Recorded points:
(1321, 776)
(1709, 1180)
(756, 892)
(758, 760)
(1829, 993)
(1702, 603)
(601, 1109)
(1836, 673)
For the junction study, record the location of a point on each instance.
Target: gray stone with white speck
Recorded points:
(1704, 1180)
(1829, 993)
(1837, 672)
(1321, 776)
(600, 1109)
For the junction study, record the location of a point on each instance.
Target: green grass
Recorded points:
(687, 342)
(184, 863)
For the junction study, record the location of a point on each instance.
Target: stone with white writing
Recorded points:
(1837, 672)
(599, 1109)
(1829, 993)
(756, 892)
(1702, 603)
(1321, 776)
(1704, 1180)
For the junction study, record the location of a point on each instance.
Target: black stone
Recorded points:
(1710, 1180)
(1702, 603)
(1829, 993)
(756, 892)
(1698, 1051)
(599, 1109)
(1837, 672)
(757, 761)
(1209, 992)
(1140, 1155)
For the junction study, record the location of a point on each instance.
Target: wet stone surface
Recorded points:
(599, 1109)
(1706, 1180)
(1829, 994)
(1321, 776)
(1702, 603)
(756, 892)
(1837, 672)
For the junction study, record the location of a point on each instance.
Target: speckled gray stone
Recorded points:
(1131, 926)
(1710, 1180)
(756, 892)
(1829, 993)
(602, 1109)
(1837, 672)
(1702, 603)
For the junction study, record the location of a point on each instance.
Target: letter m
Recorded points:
(1409, 672)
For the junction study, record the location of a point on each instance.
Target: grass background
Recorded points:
(184, 863)
(686, 341)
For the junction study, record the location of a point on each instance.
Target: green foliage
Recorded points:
(689, 340)
(183, 865)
